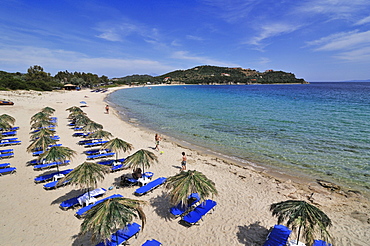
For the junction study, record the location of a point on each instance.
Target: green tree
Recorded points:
(36, 73)
(142, 158)
(117, 145)
(304, 216)
(185, 183)
(110, 216)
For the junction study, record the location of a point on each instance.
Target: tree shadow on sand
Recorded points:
(252, 235)
(82, 240)
(161, 205)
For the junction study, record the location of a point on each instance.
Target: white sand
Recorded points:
(31, 215)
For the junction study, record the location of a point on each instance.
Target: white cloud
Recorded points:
(363, 21)
(196, 38)
(272, 30)
(120, 30)
(343, 41)
(357, 55)
(184, 55)
(18, 59)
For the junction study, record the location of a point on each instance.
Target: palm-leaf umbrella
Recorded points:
(100, 134)
(187, 182)
(4, 125)
(74, 109)
(41, 142)
(42, 123)
(48, 110)
(304, 216)
(73, 114)
(110, 216)
(39, 116)
(87, 175)
(141, 158)
(7, 118)
(117, 145)
(81, 120)
(42, 132)
(92, 126)
(57, 154)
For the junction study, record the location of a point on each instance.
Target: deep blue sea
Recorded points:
(320, 129)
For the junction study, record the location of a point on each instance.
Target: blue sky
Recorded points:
(318, 40)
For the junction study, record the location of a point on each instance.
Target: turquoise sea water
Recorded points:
(321, 129)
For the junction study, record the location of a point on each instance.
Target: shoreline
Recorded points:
(278, 172)
(32, 216)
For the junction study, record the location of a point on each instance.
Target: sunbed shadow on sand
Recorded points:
(161, 205)
(252, 235)
(69, 195)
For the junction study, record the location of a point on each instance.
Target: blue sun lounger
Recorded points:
(122, 235)
(181, 209)
(321, 243)
(111, 162)
(118, 167)
(105, 155)
(7, 155)
(82, 142)
(80, 134)
(152, 242)
(5, 151)
(50, 176)
(97, 151)
(92, 144)
(12, 133)
(54, 184)
(8, 170)
(150, 186)
(278, 236)
(81, 212)
(199, 211)
(70, 203)
(5, 165)
(50, 165)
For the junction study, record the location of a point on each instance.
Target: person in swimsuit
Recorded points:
(183, 162)
(157, 138)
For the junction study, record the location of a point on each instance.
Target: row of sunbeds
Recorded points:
(5, 168)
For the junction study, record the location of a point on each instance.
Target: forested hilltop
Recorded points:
(219, 75)
(37, 79)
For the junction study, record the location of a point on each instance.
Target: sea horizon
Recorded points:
(318, 129)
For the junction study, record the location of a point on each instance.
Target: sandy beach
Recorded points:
(31, 215)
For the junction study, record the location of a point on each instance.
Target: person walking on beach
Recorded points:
(157, 138)
(107, 109)
(183, 162)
